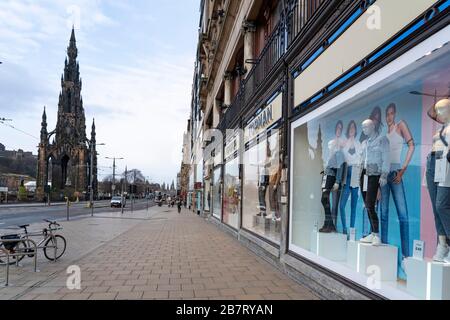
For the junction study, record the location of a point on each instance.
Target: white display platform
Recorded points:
(332, 246)
(369, 260)
(428, 280)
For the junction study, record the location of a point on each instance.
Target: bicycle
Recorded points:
(53, 245)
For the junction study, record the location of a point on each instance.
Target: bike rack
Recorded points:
(24, 254)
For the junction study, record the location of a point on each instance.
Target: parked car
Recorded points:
(159, 198)
(116, 202)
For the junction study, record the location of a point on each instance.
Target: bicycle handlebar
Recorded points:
(52, 222)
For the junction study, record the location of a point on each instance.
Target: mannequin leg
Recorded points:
(399, 195)
(443, 208)
(384, 206)
(370, 199)
(262, 199)
(346, 192)
(329, 225)
(432, 190)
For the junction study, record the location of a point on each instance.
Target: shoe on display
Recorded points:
(325, 229)
(447, 259)
(376, 241)
(368, 239)
(441, 253)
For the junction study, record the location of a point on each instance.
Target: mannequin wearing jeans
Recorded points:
(398, 135)
(334, 176)
(375, 157)
(440, 190)
(352, 152)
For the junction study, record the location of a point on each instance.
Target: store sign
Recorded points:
(3, 189)
(232, 146)
(270, 115)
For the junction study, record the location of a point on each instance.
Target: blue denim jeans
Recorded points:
(346, 193)
(399, 196)
(433, 189)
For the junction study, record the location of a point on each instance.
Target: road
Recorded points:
(12, 217)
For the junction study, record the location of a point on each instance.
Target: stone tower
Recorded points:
(65, 154)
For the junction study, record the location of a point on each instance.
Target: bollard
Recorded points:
(68, 209)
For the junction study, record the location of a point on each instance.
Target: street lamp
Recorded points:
(114, 172)
(91, 183)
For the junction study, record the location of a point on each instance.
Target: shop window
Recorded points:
(216, 190)
(232, 194)
(261, 186)
(370, 188)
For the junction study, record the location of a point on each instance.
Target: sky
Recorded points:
(136, 62)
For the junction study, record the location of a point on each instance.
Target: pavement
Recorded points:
(151, 255)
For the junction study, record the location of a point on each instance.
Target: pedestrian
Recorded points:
(179, 204)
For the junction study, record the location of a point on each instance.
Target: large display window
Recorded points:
(261, 186)
(232, 194)
(216, 191)
(370, 178)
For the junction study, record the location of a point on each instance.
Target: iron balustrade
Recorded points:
(292, 22)
(299, 12)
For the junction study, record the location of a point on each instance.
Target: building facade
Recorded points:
(320, 139)
(66, 156)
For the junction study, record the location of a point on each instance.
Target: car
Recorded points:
(116, 202)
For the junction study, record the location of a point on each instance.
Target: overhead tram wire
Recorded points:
(2, 121)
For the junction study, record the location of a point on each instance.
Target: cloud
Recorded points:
(137, 79)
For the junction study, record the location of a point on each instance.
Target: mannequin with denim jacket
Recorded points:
(334, 175)
(439, 187)
(375, 164)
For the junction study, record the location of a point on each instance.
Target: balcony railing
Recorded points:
(292, 22)
(299, 12)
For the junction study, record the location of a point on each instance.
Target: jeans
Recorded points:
(399, 196)
(433, 189)
(330, 211)
(370, 200)
(331, 180)
(443, 208)
(347, 192)
(273, 196)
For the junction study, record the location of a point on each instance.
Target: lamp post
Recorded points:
(114, 172)
(91, 182)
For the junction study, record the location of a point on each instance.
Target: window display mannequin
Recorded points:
(269, 179)
(375, 164)
(398, 136)
(263, 183)
(352, 152)
(376, 117)
(335, 173)
(438, 179)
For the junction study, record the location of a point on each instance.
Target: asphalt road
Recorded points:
(13, 217)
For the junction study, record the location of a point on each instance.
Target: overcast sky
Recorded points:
(136, 61)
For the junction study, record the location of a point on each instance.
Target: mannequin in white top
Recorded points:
(352, 151)
(398, 135)
(442, 179)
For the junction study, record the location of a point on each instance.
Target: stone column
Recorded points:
(227, 95)
(228, 86)
(216, 113)
(249, 28)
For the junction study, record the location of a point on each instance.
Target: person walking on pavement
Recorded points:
(179, 205)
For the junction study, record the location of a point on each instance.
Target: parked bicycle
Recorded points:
(52, 244)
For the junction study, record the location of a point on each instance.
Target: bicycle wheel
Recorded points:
(60, 247)
(19, 248)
